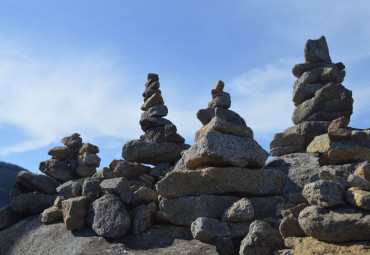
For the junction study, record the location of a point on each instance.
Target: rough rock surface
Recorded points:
(75, 212)
(221, 180)
(323, 193)
(38, 182)
(343, 224)
(359, 198)
(143, 218)
(32, 202)
(118, 186)
(70, 189)
(57, 169)
(8, 216)
(208, 229)
(240, 211)
(316, 51)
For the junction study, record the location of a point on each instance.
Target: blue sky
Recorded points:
(80, 66)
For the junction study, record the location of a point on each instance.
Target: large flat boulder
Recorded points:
(221, 180)
(218, 149)
(38, 182)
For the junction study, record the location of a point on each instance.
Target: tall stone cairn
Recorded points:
(219, 186)
(161, 143)
(319, 98)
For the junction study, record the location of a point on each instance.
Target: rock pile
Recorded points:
(219, 186)
(318, 96)
(160, 143)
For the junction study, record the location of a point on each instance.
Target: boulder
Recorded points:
(75, 212)
(73, 141)
(91, 187)
(218, 149)
(38, 182)
(316, 51)
(240, 211)
(89, 159)
(320, 144)
(119, 186)
(152, 122)
(359, 198)
(86, 171)
(309, 130)
(208, 229)
(88, 147)
(167, 133)
(143, 218)
(144, 195)
(303, 92)
(322, 75)
(158, 110)
(108, 217)
(57, 169)
(343, 224)
(289, 225)
(60, 152)
(51, 214)
(104, 173)
(152, 152)
(9, 217)
(330, 102)
(323, 193)
(341, 122)
(32, 203)
(284, 143)
(261, 239)
(205, 115)
(299, 69)
(70, 189)
(221, 180)
(128, 170)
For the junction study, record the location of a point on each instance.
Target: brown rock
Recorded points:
(88, 147)
(153, 100)
(341, 122)
(363, 171)
(359, 198)
(75, 212)
(51, 214)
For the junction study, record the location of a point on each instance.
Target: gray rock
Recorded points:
(185, 210)
(70, 189)
(155, 99)
(221, 100)
(363, 171)
(75, 212)
(143, 218)
(265, 207)
(89, 159)
(60, 152)
(299, 169)
(158, 110)
(309, 130)
(283, 143)
(167, 133)
(73, 141)
(91, 187)
(217, 149)
(289, 225)
(225, 245)
(51, 214)
(119, 186)
(303, 92)
(322, 193)
(359, 182)
(359, 198)
(144, 195)
(329, 103)
(86, 171)
(240, 211)
(208, 229)
(343, 224)
(57, 169)
(152, 152)
(149, 91)
(221, 180)
(261, 239)
(108, 217)
(316, 51)
(151, 122)
(104, 173)
(38, 182)
(9, 217)
(32, 203)
(345, 152)
(239, 230)
(88, 147)
(322, 75)
(299, 69)
(128, 170)
(205, 116)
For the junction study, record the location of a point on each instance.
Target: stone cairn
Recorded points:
(220, 188)
(64, 174)
(318, 96)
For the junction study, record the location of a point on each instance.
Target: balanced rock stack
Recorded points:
(220, 185)
(318, 96)
(160, 143)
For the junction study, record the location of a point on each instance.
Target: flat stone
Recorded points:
(205, 115)
(303, 92)
(283, 143)
(73, 141)
(86, 171)
(104, 173)
(222, 100)
(144, 195)
(143, 218)
(343, 224)
(158, 110)
(32, 203)
(217, 149)
(91, 187)
(119, 186)
(70, 189)
(60, 152)
(299, 69)
(57, 169)
(261, 239)
(167, 133)
(322, 193)
(223, 126)
(316, 51)
(221, 180)
(152, 152)
(341, 122)
(329, 103)
(359, 198)
(155, 99)
(320, 144)
(89, 159)
(339, 134)
(128, 170)
(38, 182)
(149, 91)
(153, 122)
(309, 130)
(88, 147)
(9, 217)
(322, 75)
(208, 229)
(51, 214)
(240, 211)
(108, 217)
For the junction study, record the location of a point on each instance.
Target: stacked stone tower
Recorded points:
(160, 143)
(220, 182)
(318, 96)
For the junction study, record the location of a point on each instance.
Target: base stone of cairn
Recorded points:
(319, 99)
(219, 175)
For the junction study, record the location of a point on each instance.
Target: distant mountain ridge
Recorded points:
(8, 176)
